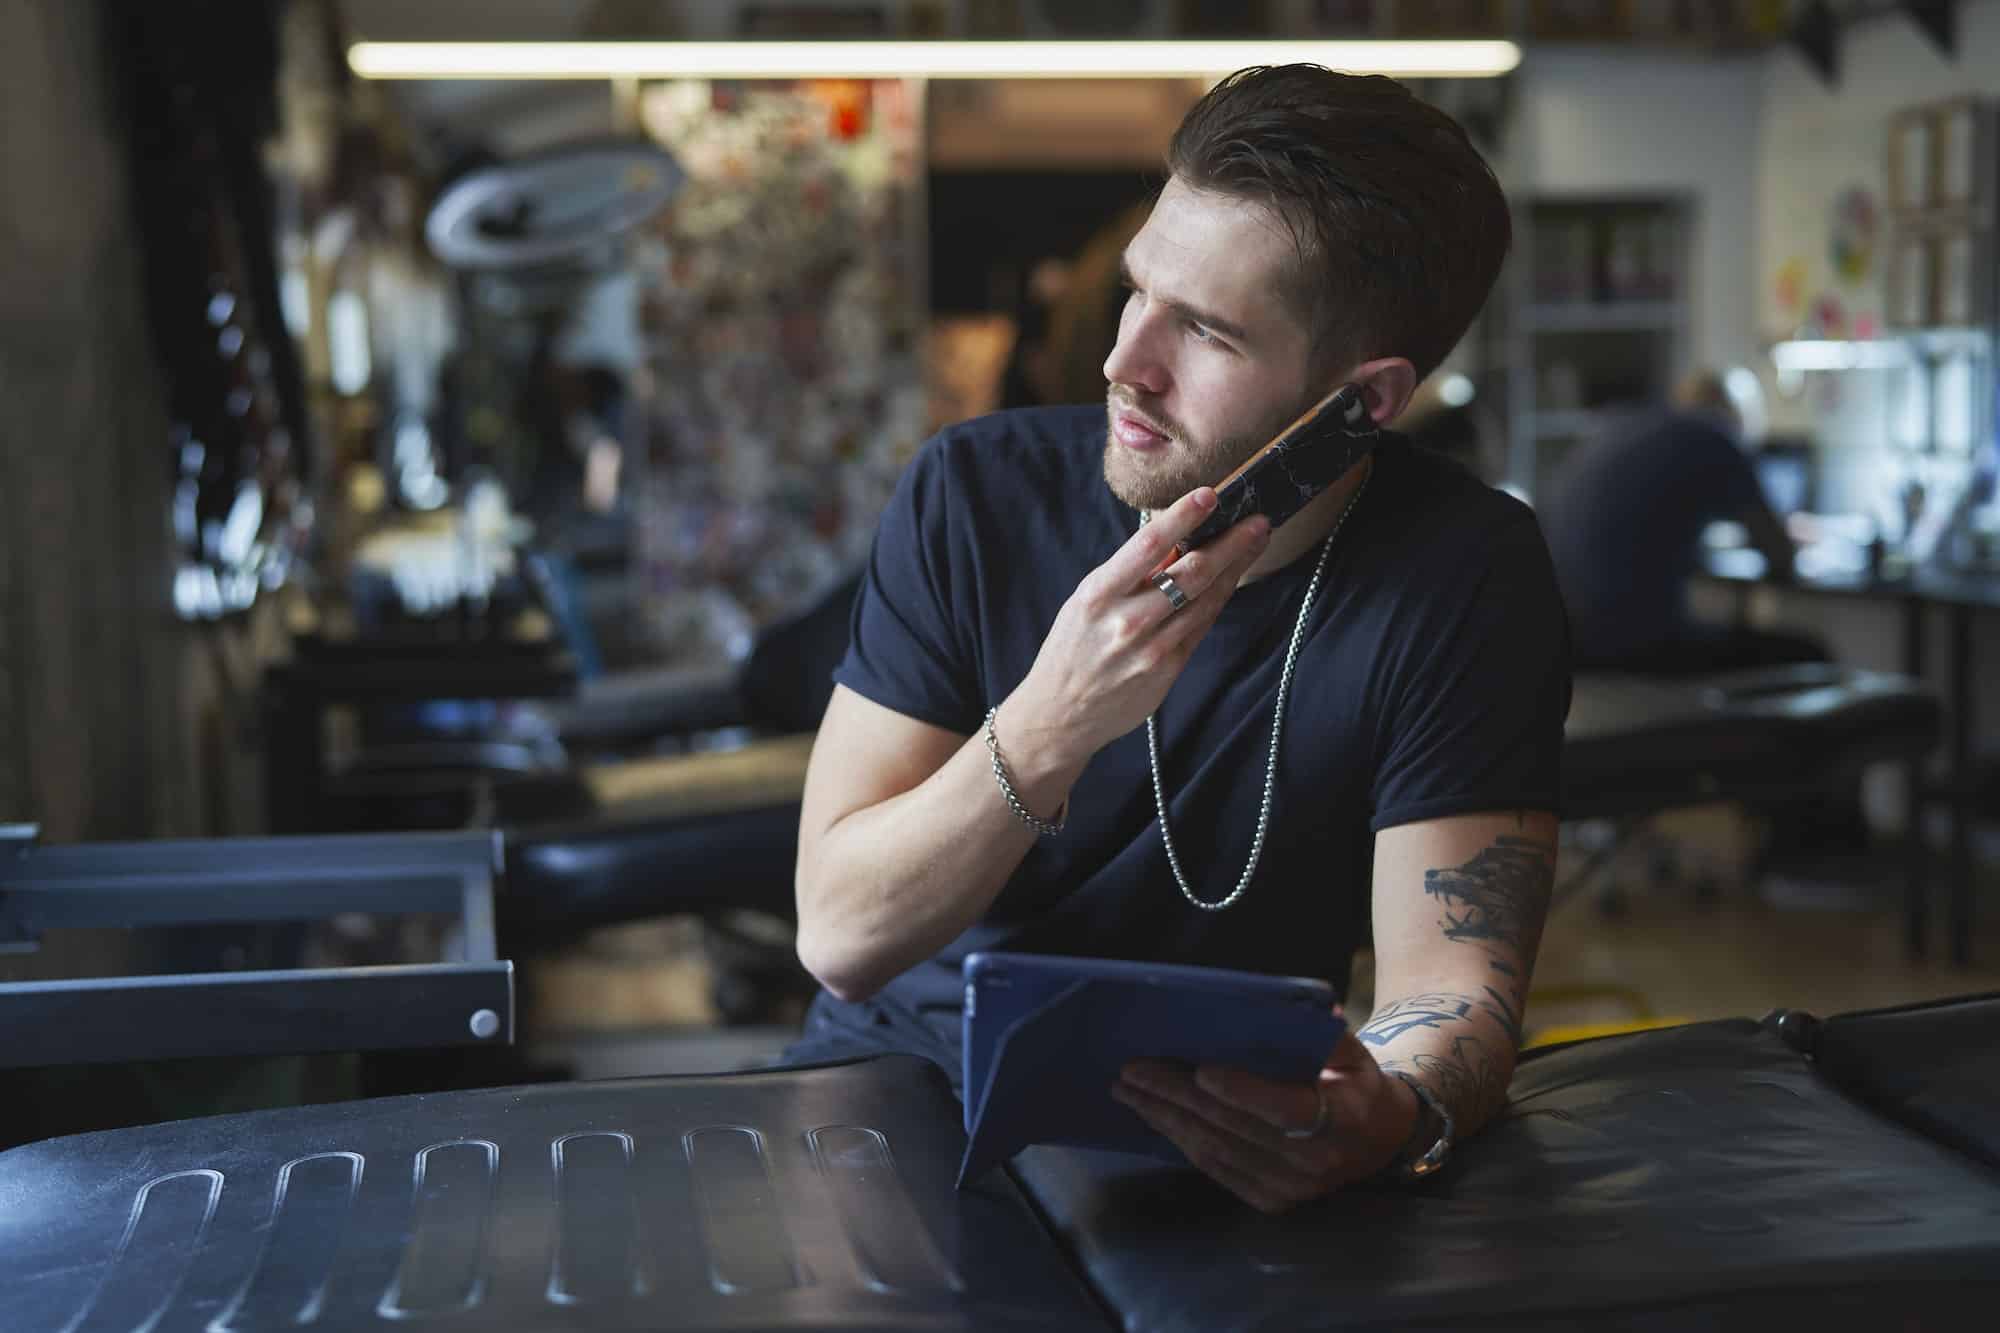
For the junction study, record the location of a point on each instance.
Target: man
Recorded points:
(982, 777)
(1624, 518)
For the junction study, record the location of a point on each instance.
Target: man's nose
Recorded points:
(1133, 358)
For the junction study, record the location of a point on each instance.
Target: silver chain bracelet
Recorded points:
(1039, 825)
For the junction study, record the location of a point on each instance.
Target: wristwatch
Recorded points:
(1429, 1144)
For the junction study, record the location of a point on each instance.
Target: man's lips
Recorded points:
(1135, 433)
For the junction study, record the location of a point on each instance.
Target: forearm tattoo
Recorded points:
(1498, 895)
(1469, 1080)
(1496, 901)
(1416, 1011)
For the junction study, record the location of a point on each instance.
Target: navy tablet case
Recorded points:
(1045, 1037)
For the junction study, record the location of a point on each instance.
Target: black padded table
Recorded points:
(1718, 1176)
(1639, 744)
(1962, 595)
(1698, 1177)
(728, 822)
(1634, 746)
(817, 1198)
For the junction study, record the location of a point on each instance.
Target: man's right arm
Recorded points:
(1769, 538)
(1744, 502)
(904, 840)
(904, 836)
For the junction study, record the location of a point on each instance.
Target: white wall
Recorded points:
(1818, 140)
(1763, 147)
(1599, 120)
(1815, 142)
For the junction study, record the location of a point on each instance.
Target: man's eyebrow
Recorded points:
(1226, 328)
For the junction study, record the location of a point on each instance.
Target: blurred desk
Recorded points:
(392, 670)
(1916, 592)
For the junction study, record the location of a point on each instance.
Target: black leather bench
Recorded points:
(709, 832)
(1635, 746)
(1717, 1176)
(1641, 744)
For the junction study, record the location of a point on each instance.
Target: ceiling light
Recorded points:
(916, 59)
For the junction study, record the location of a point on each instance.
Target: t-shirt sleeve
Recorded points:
(906, 650)
(1475, 720)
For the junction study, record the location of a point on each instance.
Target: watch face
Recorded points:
(1433, 1159)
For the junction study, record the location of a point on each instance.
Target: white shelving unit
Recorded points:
(1598, 317)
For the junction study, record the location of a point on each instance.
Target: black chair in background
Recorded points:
(711, 832)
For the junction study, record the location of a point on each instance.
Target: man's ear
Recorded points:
(1386, 386)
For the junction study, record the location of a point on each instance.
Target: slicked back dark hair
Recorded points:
(1399, 223)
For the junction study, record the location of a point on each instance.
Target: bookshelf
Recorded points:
(1597, 318)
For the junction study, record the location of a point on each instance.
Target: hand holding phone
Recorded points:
(1297, 464)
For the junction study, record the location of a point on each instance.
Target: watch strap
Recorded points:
(1418, 1158)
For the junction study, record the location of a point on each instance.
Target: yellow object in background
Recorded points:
(1556, 1036)
(1640, 1016)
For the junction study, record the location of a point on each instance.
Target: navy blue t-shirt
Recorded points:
(1432, 681)
(1624, 518)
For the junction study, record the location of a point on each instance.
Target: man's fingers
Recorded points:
(1302, 1158)
(1153, 544)
(1226, 1161)
(1218, 566)
(1282, 1106)
(1184, 629)
(1348, 1099)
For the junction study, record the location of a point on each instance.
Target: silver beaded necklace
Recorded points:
(1277, 728)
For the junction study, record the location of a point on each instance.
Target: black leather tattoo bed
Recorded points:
(1844, 1173)
(1634, 746)
(1718, 1176)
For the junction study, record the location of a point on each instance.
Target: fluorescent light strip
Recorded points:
(936, 60)
(1837, 354)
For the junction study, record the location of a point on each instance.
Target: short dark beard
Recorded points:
(1200, 464)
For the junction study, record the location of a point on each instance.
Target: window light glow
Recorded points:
(916, 59)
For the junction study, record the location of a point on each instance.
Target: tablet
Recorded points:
(1045, 1037)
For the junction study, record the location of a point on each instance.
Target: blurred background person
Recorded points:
(1624, 518)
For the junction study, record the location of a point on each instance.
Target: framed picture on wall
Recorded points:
(1912, 156)
(1912, 281)
(1965, 153)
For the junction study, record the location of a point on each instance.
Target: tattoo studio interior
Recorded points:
(999, 664)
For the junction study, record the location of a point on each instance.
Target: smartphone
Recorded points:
(1300, 461)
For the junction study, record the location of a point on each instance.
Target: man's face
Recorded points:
(1211, 360)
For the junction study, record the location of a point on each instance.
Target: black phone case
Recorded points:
(1304, 459)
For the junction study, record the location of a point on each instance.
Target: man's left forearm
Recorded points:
(1455, 961)
(1459, 907)
(1459, 1045)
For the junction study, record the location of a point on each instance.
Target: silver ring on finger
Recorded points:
(1176, 598)
(1319, 1123)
